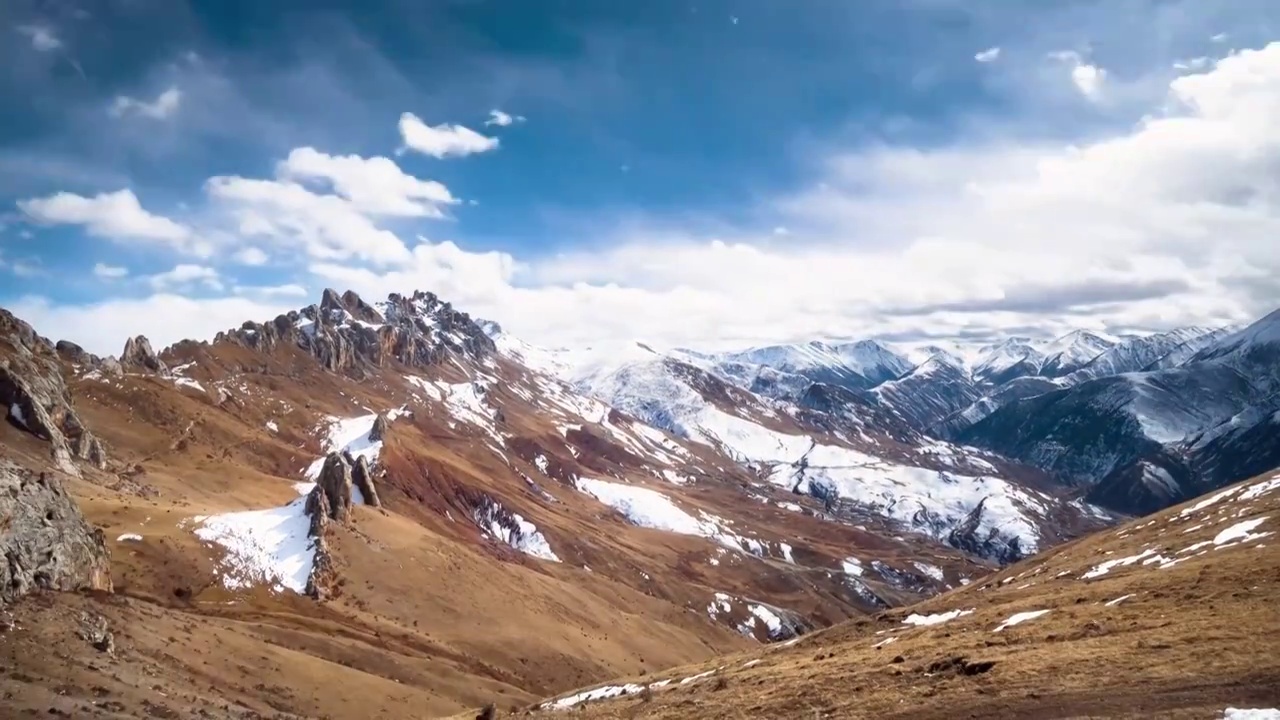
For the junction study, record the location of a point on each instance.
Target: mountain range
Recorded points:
(421, 512)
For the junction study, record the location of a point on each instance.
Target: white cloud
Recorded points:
(251, 256)
(109, 272)
(444, 140)
(1088, 78)
(1220, 37)
(287, 290)
(42, 37)
(164, 106)
(112, 215)
(1169, 221)
(501, 119)
(373, 185)
(184, 275)
(327, 227)
(989, 55)
(164, 318)
(21, 268)
(1195, 63)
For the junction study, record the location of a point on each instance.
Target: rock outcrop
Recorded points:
(362, 478)
(379, 429)
(34, 396)
(45, 543)
(138, 355)
(335, 483)
(348, 335)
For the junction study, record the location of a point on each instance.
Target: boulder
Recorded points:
(379, 430)
(45, 543)
(335, 484)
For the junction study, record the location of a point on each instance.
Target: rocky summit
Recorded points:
(392, 509)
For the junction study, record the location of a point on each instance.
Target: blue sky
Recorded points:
(694, 172)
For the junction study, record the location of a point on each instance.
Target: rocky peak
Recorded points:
(34, 396)
(137, 354)
(45, 543)
(346, 334)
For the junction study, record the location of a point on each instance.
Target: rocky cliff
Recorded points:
(45, 543)
(35, 398)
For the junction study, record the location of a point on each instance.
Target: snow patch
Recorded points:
(129, 537)
(1019, 618)
(269, 547)
(935, 619)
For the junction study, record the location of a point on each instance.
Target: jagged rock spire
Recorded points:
(138, 354)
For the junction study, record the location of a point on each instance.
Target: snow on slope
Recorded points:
(651, 509)
(926, 500)
(269, 547)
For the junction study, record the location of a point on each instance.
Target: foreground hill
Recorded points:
(1171, 615)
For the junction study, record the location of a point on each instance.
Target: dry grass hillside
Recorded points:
(430, 613)
(1173, 615)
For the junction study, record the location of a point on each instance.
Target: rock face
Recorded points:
(138, 355)
(379, 430)
(362, 478)
(348, 335)
(45, 543)
(335, 483)
(330, 501)
(34, 396)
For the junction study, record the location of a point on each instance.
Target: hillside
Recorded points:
(392, 509)
(1167, 616)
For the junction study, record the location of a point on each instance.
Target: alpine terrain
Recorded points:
(390, 508)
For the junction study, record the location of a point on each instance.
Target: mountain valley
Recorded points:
(391, 509)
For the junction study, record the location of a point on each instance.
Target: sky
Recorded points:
(698, 173)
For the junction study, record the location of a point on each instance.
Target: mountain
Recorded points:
(855, 365)
(1007, 360)
(1110, 626)
(1141, 353)
(392, 501)
(1072, 351)
(855, 454)
(1145, 440)
(932, 391)
(390, 508)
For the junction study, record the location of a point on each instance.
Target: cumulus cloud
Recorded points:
(1169, 221)
(251, 256)
(373, 185)
(501, 119)
(991, 54)
(165, 318)
(164, 106)
(326, 227)
(444, 140)
(1087, 77)
(42, 37)
(110, 272)
(185, 275)
(112, 215)
(273, 291)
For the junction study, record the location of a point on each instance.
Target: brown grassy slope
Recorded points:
(1187, 640)
(432, 616)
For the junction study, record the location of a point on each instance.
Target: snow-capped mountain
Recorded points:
(1073, 351)
(861, 459)
(932, 391)
(1140, 353)
(1147, 439)
(1007, 360)
(858, 365)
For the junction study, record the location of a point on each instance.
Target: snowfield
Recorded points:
(262, 547)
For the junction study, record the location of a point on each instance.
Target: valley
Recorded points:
(390, 509)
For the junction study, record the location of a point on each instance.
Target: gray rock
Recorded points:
(362, 477)
(335, 483)
(138, 355)
(45, 543)
(34, 396)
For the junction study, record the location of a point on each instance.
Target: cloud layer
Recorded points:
(1165, 220)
